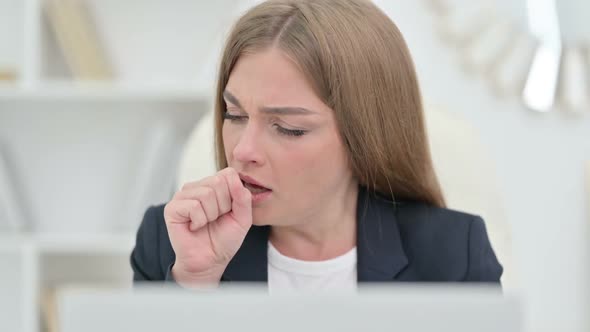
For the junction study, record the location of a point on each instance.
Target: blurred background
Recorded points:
(105, 109)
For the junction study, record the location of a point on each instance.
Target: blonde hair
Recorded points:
(358, 63)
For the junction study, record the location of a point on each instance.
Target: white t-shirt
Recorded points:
(289, 275)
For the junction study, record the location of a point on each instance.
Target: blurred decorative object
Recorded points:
(7, 75)
(575, 81)
(78, 39)
(49, 310)
(541, 85)
(531, 60)
(11, 215)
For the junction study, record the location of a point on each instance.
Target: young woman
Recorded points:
(325, 174)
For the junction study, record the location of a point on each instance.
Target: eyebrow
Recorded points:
(270, 110)
(231, 98)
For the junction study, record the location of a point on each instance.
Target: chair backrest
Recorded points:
(198, 157)
(463, 165)
(467, 174)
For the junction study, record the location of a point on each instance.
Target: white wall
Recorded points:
(540, 159)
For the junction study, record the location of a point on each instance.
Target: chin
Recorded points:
(258, 218)
(257, 222)
(261, 222)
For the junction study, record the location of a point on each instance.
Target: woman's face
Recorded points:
(278, 134)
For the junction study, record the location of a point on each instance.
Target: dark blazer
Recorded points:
(396, 241)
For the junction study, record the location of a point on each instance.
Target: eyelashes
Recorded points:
(289, 132)
(234, 118)
(281, 130)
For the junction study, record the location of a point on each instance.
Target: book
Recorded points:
(49, 310)
(7, 75)
(77, 36)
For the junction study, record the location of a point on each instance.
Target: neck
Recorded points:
(328, 234)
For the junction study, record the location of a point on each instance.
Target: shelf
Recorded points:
(110, 147)
(85, 243)
(105, 91)
(104, 244)
(158, 40)
(12, 242)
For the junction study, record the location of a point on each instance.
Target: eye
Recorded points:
(234, 118)
(290, 132)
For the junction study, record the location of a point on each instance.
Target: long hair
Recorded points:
(358, 63)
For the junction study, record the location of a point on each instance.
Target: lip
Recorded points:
(260, 197)
(250, 180)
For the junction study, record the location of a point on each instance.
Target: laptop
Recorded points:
(405, 307)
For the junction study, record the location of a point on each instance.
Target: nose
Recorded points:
(248, 149)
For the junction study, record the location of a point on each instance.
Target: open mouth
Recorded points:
(259, 192)
(254, 189)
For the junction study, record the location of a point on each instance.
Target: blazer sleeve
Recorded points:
(483, 266)
(145, 257)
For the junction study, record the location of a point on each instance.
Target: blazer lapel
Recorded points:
(251, 261)
(380, 254)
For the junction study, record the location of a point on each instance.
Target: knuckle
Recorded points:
(203, 193)
(170, 206)
(172, 211)
(209, 193)
(229, 172)
(177, 194)
(197, 206)
(217, 181)
(206, 180)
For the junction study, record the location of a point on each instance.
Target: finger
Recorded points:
(208, 199)
(177, 212)
(217, 183)
(198, 217)
(190, 186)
(241, 199)
(185, 212)
(222, 189)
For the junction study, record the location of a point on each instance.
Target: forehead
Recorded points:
(270, 78)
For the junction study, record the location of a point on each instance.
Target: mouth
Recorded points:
(254, 186)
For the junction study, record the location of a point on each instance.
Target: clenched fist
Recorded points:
(207, 222)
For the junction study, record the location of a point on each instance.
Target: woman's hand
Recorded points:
(207, 222)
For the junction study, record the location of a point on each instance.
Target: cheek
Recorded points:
(318, 161)
(229, 141)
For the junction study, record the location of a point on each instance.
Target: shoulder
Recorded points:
(153, 252)
(446, 244)
(418, 220)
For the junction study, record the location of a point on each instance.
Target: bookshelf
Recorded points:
(84, 157)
